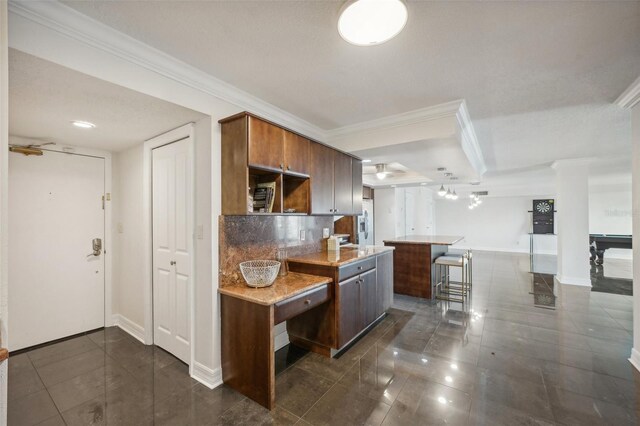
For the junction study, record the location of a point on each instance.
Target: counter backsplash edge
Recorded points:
(243, 238)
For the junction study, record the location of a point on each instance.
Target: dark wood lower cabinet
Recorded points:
(362, 294)
(368, 299)
(349, 323)
(384, 282)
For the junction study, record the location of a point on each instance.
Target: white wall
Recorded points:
(397, 210)
(129, 237)
(129, 262)
(384, 214)
(610, 212)
(499, 223)
(502, 223)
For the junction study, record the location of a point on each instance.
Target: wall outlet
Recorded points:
(303, 235)
(325, 233)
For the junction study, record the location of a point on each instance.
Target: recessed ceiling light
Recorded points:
(83, 124)
(371, 22)
(423, 183)
(366, 161)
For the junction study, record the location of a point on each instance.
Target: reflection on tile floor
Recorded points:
(500, 362)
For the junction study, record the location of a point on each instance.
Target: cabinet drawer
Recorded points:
(289, 308)
(356, 268)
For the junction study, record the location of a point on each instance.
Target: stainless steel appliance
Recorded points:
(364, 223)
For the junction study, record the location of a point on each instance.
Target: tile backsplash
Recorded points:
(258, 237)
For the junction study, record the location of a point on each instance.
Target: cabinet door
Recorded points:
(368, 299)
(343, 184)
(296, 153)
(349, 318)
(321, 172)
(356, 168)
(384, 282)
(266, 144)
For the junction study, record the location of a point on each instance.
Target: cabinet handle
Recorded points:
(288, 167)
(331, 210)
(173, 262)
(336, 210)
(281, 166)
(307, 301)
(359, 268)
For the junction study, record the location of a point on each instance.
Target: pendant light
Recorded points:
(448, 195)
(442, 192)
(454, 196)
(371, 22)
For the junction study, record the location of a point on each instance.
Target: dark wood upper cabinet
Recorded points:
(321, 171)
(296, 153)
(266, 144)
(356, 167)
(343, 184)
(310, 177)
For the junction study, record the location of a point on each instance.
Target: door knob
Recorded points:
(96, 245)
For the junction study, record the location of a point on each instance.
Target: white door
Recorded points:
(410, 212)
(55, 211)
(172, 245)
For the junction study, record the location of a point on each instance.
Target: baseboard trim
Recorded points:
(136, 331)
(634, 359)
(205, 375)
(280, 341)
(583, 282)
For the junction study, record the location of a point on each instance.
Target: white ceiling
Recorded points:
(539, 77)
(45, 97)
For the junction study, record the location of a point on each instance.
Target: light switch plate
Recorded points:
(120, 228)
(325, 232)
(303, 235)
(200, 232)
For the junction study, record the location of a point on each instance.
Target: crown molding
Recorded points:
(435, 112)
(631, 96)
(455, 109)
(469, 140)
(81, 28)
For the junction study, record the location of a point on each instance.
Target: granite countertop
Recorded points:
(337, 259)
(283, 288)
(443, 240)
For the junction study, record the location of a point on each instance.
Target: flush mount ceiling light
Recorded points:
(366, 161)
(83, 124)
(371, 22)
(382, 171)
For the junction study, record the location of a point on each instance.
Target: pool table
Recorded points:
(598, 243)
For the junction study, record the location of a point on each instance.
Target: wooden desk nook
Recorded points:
(339, 298)
(248, 317)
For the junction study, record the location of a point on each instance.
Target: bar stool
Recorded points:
(468, 253)
(445, 288)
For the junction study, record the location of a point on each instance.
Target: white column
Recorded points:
(4, 184)
(635, 189)
(572, 189)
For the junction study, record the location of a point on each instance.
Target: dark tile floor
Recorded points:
(499, 361)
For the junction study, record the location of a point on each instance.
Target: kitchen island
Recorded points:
(412, 260)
